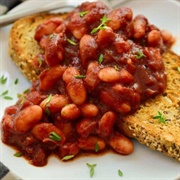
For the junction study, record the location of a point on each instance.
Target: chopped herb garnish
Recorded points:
(18, 154)
(116, 68)
(39, 61)
(178, 68)
(83, 13)
(22, 100)
(79, 76)
(26, 91)
(8, 98)
(48, 99)
(91, 166)
(100, 58)
(16, 81)
(54, 136)
(71, 42)
(4, 93)
(51, 36)
(102, 26)
(47, 111)
(160, 117)
(139, 55)
(120, 173)
(3, 79)
(96, 147)
(65, 158)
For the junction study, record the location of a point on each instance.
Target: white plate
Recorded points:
(142, 164)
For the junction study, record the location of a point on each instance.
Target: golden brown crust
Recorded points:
(147, 130)
(22, 46)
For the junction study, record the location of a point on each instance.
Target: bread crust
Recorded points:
(163, 137)
(22, 46)
(141, 125)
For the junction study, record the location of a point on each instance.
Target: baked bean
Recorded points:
(90, 143)
(89, 110)
(88, 49)
(47, 27)
(106, 124)
(154, 38)
(76, 91)
(91, 78)
(125, 76)
(167, 37)
(68, 149)
(50, 76)
(56, 103)
(70, 73)
(139, 26)
(27, 118)
(119, 17)
(42, 131)
(85, 127)
(70, 112)
(121, 144)
(109, 74)
(105, 36)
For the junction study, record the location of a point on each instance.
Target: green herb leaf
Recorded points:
(39, 61)
(54, 136)
(83, 13)
(48, 99)
(8, 98)
(71, 42)
(16, 81)
(120, 173)
(79, 76)
(96, 147)
(65, 158)
(178, 68)
(91, 166)
(47, 111)
(22, 100)
(100, 59)
(102, 26)
(4, 93)
(51, 36)
(116, 68)
(18, 154)
(3, 79)
(26, 91)
(139, 54)
(160, 117)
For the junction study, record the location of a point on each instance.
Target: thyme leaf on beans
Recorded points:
(79, 76)
(139, 55)
(39, 61)
(83, 13)
(71, 41)
(54, 136)
(160, 117)
(65, 158)
(102, 26)
(96, 147)
(100, 58)
(48, 99)
(91, 166)
(178, 68)
(120, 173)
(3, 79)
(18, 154)
(116, 68)
(16, 81)
(51, 36)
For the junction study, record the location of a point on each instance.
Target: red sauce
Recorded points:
(98, 65)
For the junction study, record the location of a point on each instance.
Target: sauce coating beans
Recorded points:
(98, 65)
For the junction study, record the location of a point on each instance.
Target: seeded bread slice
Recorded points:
(22, 46)
(164, 137)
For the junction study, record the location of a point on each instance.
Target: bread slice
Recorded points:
(22, 46)
(164, 137)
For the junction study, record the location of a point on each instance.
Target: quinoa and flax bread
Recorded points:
(157, 135)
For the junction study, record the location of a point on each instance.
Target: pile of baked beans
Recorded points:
(98, 65)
